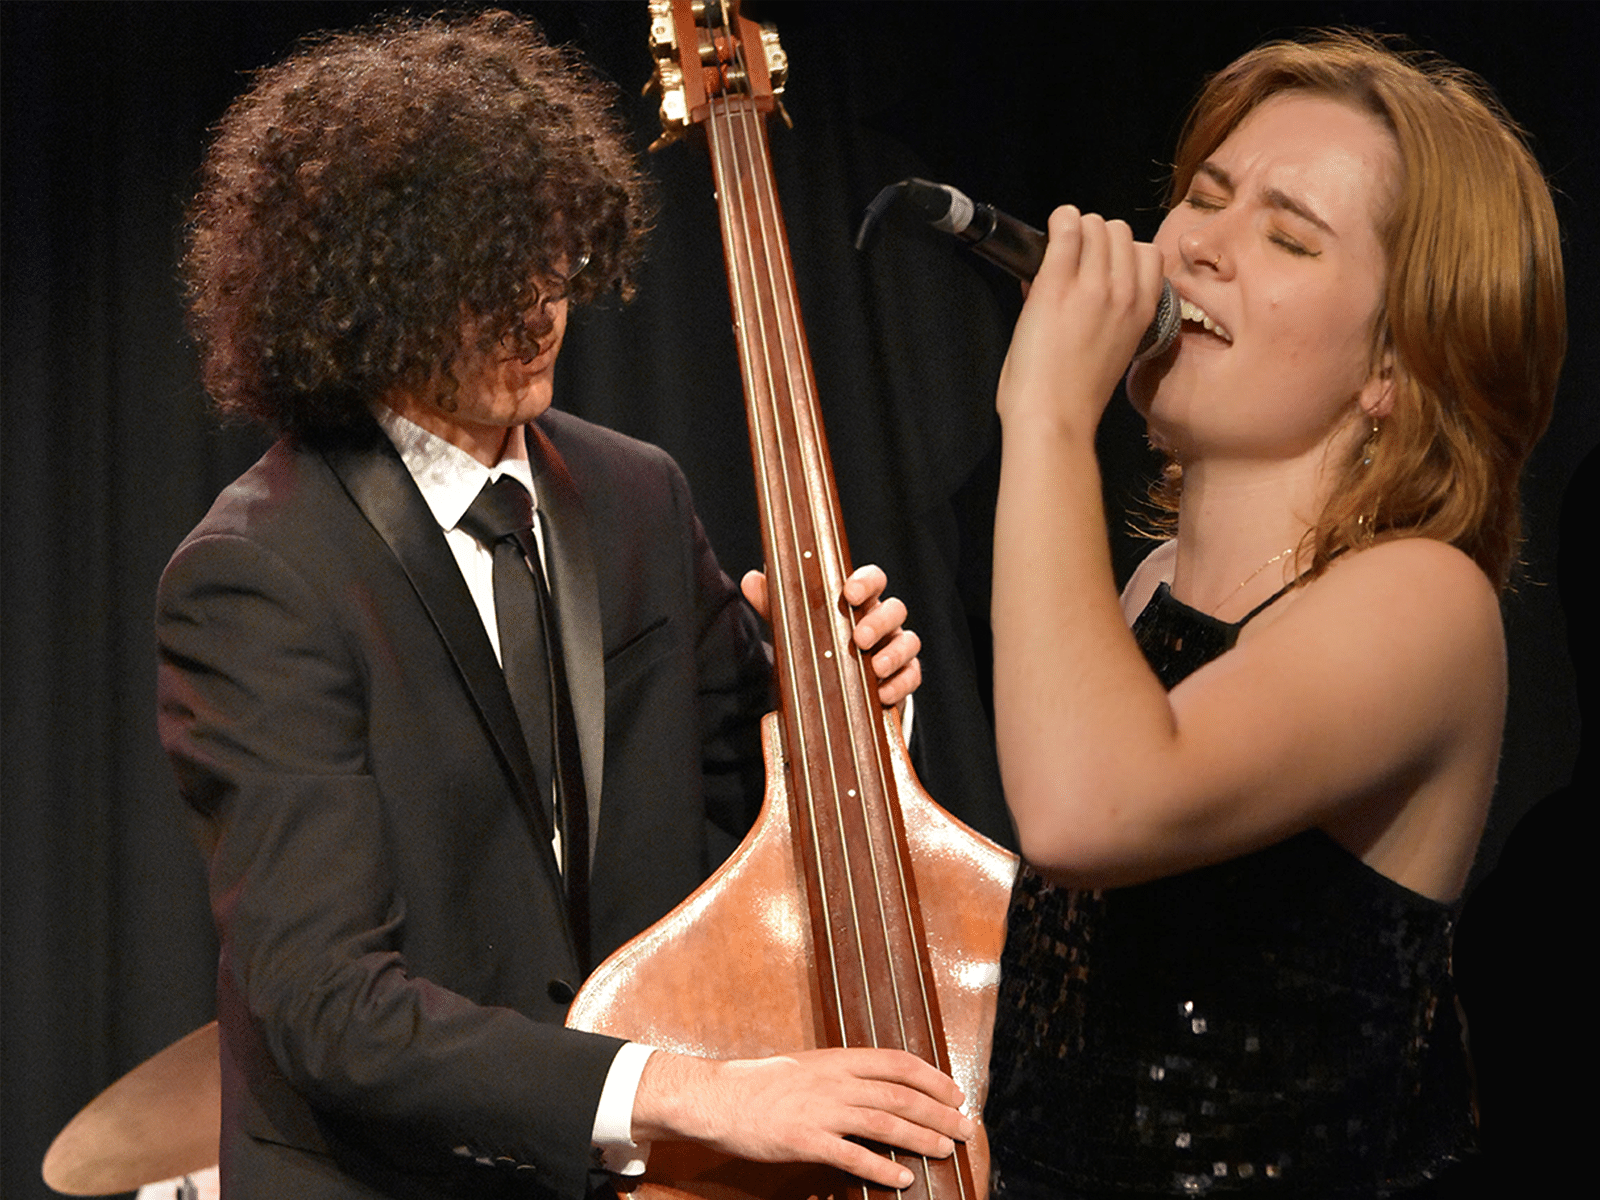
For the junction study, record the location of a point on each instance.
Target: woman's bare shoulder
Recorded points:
(1423, 622)
(1411, 606)
(1156, 568)
(1416, 574)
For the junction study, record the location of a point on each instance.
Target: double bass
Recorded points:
(857, 912)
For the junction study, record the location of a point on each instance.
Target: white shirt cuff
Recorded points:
(613, 1118)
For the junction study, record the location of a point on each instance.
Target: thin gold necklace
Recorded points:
(1278, 557)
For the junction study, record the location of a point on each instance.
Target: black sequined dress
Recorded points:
(1282, 1024)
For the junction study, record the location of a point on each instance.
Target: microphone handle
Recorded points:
(1008, 243)
(1018, 249)
(1005, 241)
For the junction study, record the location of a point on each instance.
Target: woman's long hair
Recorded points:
(1473, 319)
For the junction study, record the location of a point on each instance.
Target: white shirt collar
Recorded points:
(447, 476)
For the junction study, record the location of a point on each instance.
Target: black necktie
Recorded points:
(502, 519)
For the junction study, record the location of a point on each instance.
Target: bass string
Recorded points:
(751, 130)
(821, 537)
(779, 277)
(790, 335)
(752, 324)
(845, 660)
(796, 513)
(761, 340)
(747, 315)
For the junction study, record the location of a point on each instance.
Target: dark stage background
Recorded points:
(110, 454)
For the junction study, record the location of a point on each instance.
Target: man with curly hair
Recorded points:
(391, 226)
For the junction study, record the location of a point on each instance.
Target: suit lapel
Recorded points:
(383, 490)
(577, 603)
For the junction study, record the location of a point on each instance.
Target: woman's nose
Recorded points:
(1203, 248)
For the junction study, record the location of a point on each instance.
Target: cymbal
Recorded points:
(161, 1119)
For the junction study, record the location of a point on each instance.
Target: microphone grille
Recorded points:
(1164, 328)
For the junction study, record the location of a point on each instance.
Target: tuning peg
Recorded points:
(668, 137)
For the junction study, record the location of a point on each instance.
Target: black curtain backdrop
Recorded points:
(110, 454)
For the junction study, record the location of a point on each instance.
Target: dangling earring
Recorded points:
(1367, 523)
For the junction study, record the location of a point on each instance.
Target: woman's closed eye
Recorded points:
(1205, 202)
(1293, 246)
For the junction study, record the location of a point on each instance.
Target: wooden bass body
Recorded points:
(730, 973)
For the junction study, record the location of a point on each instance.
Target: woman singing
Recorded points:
(1246, 821)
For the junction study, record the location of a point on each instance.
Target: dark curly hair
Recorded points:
(380, 188)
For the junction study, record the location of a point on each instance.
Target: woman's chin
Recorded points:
(1143, 379)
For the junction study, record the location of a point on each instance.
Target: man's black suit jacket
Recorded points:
(395, 958)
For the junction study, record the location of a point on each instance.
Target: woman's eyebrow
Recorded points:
(1273, 197)
(1216, 174)
(1277, 198)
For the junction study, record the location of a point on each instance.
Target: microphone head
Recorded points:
(1164, 328)
(880, 205)
(939, 204)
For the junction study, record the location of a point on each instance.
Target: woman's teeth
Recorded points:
(1190, 311)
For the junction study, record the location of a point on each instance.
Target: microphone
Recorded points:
(1005, 241)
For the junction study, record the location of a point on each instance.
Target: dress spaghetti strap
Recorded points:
(1265, 604)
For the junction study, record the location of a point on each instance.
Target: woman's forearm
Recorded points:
(1078, 713)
